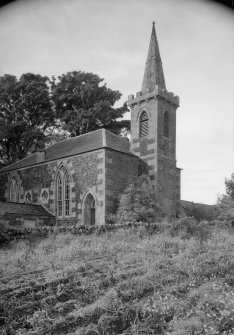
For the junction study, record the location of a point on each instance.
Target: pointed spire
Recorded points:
(153, 69)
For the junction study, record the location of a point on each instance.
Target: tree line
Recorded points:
(36, 111)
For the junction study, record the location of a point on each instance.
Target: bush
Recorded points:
(4, 228)
(187, 227)
(136, 205)
(225, 205)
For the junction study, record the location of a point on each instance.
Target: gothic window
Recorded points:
(63, 192)
(166, 124)
(14, 190)
(66, 193)
(144, 124)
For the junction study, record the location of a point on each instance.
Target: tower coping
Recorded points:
(146, 94)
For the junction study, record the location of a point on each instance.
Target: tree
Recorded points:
(83, 103)
(229, 183)
(225, 203)
(27, 115)
(36, 111)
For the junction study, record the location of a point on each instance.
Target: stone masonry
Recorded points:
(157, 148)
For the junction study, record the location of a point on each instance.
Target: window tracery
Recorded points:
(63, 192)
(14, 190)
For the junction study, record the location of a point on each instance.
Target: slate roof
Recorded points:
(24, 209)
(94, 140)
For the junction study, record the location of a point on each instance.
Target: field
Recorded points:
(123, 282)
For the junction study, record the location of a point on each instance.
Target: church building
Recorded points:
(79, 180)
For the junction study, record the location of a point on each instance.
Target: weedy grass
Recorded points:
(124, 282)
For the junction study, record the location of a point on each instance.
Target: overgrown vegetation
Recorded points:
(225, 202)
(136, 205)
(177, 281)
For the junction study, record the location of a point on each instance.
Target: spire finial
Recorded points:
(153, 23)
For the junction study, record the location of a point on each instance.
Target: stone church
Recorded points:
(79, 180)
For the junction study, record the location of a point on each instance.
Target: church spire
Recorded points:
(153, 69)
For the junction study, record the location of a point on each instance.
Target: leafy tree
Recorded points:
(83, 103)
(225, 203)
(27, 115)
(229, 183)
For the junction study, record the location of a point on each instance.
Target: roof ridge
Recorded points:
(72, 138)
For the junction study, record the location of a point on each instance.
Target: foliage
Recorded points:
(84, 103)
(199, 211)
(4, 228)
(135, 205)
(229, 183)
(36, 111)
(119, 282)
(27, 116)
(187, 227)
(225, 203)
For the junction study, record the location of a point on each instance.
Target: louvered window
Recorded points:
(166, 124)
(144, 124)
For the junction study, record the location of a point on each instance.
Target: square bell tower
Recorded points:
(153, 131)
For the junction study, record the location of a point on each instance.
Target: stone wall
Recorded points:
(121, 170)
(86, 176)
(157, 150)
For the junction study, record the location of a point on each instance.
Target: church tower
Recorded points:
(153, 131)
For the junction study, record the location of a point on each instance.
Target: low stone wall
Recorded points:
(8, 234)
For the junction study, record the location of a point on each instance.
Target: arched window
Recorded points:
(63, 192)
(166, 124)
(144, 124)
(14, 190)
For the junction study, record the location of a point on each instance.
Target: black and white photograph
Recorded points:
(116, 167)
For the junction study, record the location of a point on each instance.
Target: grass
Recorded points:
(123, 282)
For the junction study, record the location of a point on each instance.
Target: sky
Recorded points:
(111, 38)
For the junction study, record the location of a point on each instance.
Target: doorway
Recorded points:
(89, 210)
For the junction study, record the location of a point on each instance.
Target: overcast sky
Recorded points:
(111, 39)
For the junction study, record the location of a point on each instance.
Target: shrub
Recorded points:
(187, 227)
(111, 219)
(136, 205)
(4, 227)
(225, 205)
